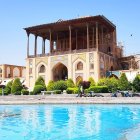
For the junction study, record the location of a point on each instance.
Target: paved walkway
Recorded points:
(66, 99)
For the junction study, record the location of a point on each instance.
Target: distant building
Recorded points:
(130, 65)
(130, 62)
(8, 72)
(79, 48)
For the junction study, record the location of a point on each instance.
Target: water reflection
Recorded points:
(72, 122)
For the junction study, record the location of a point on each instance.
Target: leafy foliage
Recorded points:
(111, 83)
(16, 87)
(136, 84)
(38, 89)
(123, 82)
(70, 83)
(8, 87)
(25, 92)
(74, 90)
(85, 84)
(92, 82)
(40, 81)
(50, 86)
(98, 89)
(60, 85)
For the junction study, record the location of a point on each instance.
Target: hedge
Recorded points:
(72, 90)
(98, 89)
(38, 89)
(25, 92)
(60, 85)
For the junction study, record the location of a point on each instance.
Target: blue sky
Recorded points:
(17, 14)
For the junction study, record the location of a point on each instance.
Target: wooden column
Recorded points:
(76, 39)
(50, 41)
(57, 42)
(35, 48)
(102, 35)
(28, 34)
(87, 36)
(97, 44)
(70, 38)
(93, 37)
(43, 45)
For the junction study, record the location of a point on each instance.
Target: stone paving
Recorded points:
(66, 99)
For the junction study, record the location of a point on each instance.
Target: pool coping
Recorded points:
(17, 100)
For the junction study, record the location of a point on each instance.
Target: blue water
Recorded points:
(70, 122)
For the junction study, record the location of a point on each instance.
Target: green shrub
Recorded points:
(16, 87)
(17, 93)
(72, 90)
(25, 92)
(60, 85)
(111, 83)
(50, 86)
(38, 89)
(99, 89)
(31, 93)
(70, 83)
(8, 87)
(136, 84)
(123, 82)
(40, 81)
(92, 82)
(57, 91)
(5, 91)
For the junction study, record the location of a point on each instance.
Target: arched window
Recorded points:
(80, 66)
(79, 78)
(16, 72)
(42, 69)
(0, 70)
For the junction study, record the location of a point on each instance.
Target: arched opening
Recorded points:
(0, 70)
(79, 78)
(109, 49)
(42, 69)
(60, 72)
(16, 72)
(79, 66)
(111, 68)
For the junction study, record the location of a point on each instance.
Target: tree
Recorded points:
(70, 83)
(8, 87)
(50, 85)
(136, 84)
(123, 82)
(40, 81)
(111, 83)
(16, 86)
(92, 82)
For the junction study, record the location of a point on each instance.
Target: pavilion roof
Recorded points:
(61, 25)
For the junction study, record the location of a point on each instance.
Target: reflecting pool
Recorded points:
(69, 122)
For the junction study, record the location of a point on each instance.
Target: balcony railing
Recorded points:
(63, 52)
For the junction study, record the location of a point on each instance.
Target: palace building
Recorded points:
(9, 72)
(79, 48)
